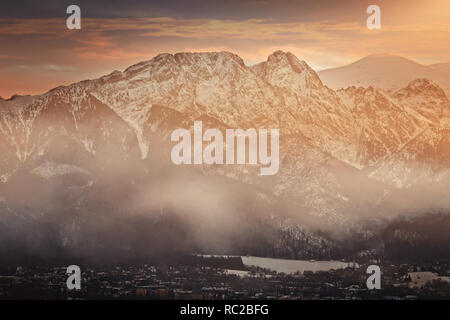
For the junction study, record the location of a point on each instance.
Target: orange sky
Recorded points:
(37, 52)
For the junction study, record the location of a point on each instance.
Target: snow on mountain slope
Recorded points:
(335, 147)
(16, 119)
(310, 107)
(382, 71)
(66, 123)
(282, 92)
(403, 135)
(380, 123)
(426, 98)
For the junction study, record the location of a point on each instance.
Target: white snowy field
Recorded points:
(289, 266)
(293, 266)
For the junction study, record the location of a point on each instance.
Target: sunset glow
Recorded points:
(38, 52)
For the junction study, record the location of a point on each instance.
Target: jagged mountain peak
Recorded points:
(281, 69)
(282, 91)
(422, 86)
(283, 57)
(205, 81)
(285, 70)
(180, 59)
(213, 57)
(360, 90)
(320, 130)
(286, 61)
(15, 104)
(365, 95)
(189, 58)
(427, 98)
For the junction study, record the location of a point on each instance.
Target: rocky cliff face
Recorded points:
(342, 152)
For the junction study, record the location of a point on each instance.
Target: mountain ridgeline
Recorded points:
(85, 169)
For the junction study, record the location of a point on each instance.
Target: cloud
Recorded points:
(109, 35)
(106, 44)
(48, 67)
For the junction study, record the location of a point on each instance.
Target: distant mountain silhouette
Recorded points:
(383, 71)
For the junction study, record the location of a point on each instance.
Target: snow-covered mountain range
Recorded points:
(345, 155)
